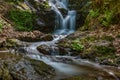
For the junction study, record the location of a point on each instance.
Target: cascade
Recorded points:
(64, 25)
(65, 66)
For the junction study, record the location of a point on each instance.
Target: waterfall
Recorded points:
(64, 25)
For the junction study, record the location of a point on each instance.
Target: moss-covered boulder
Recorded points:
(15, 67)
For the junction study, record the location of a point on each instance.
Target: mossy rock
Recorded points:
(16, 67)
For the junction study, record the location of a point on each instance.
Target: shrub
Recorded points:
(106, 20)
(105, 50)
(94, 13)
(23, 20)
(76, 45)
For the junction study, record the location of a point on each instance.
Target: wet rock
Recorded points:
(15, 43)
(96, 46)
(82, 8)
(31, 69)
(16, 67)
(63, 51)
(46, 37)
(44, 49)
(4, 73)
(1, 42)
(11, 42)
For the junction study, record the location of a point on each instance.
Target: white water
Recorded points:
(63, 67)
(64, 25)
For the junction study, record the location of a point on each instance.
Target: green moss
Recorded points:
(108, 38)
(118, 36)
(14, 1)
(23, 20)
(106, 20)
(40, 67)
(43, 5)
(94, 13)
(76, 45)
(104, 50)
(90, 38)
(102, 13)
(1, 25)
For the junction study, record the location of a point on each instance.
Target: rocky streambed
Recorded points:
(50, 60)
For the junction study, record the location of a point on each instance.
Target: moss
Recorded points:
(76, 45)
(14, 1)
(118, 36)
(102, 13)
(6, 74)
(40, 67)
(108, 38)
(1, 25)
(105, 50)
(89, 39)
(23, 20)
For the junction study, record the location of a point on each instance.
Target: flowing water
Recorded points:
(64, 24)
(66, 66)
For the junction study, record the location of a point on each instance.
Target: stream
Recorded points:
(66, 66)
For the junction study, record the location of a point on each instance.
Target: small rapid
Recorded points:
(64, 25)
(66, 66)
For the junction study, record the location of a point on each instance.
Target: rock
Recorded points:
(1, 43)
(15, 43)
(82, 8)
(96, 46)
(64, 51)
(11, 42)
(16, 67)
(46, 37)
(34, 36)
(44, 49)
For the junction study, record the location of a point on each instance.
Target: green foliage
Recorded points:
(76, 45)
(102, 13)
(106, 20)
(23, 20)
(43, 5)
(14, 1)
(108, 38)
(1, 25)
(90, 39)
(94, 13)
(104, 50)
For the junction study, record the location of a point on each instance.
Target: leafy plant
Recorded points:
(94, 13)
(23, 20)
(107, 19)
(76, 45)
(1, 25)
(105, 50)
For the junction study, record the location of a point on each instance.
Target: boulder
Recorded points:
(44, 49)
(15, 43)
(16, 67)
(46, 37)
